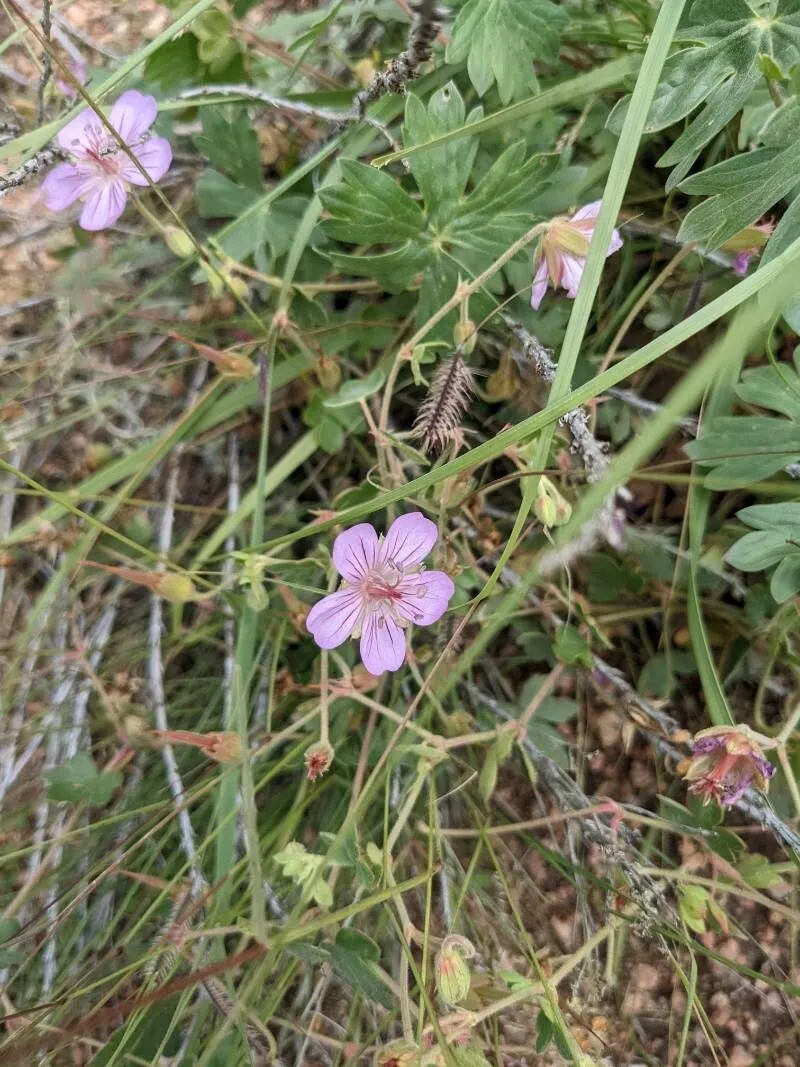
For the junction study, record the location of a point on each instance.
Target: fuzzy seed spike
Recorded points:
(438, 423)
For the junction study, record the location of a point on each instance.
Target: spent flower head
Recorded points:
(99, 172)
(560, 256)
(318, 759)
(747, 243)
(725, 761)
(385, 588)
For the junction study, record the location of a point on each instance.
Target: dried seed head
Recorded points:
(438, 423)
(318, 759)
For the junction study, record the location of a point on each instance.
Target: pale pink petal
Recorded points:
(571, 273)
(409, 540)
(133, 114)
(81, 132)
(383, 643)
(355, 551)
(63, 185)
(104, 205)
(425, 596)
(155, 155)
(539, 285)
(614, 244)
(333, 619)
(588, 211)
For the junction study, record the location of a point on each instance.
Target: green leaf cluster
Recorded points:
(773, 544)
(500, 39)
(742, 449)
(448, 232)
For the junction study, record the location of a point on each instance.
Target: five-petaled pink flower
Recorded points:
(100, 171)
(560, 256)
(725, 761)
(385, 588)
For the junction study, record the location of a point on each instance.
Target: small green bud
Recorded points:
(550, 507)
(176, 588)
(178, 242)
(328, 372)
(465, 335)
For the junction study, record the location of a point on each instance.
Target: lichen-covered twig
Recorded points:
(249, 92)
(532, 356)
(17, 177)
(405, 67)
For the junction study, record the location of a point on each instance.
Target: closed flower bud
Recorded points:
(224, 746)
(465, 335)
(176, 588)
(328, 372)
(550, 507)
(178, 242)
(451, 971)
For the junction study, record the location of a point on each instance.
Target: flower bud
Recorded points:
(328, 372)
(550, 507)
(451, 971)
(224, 746)
(465, 335)
(178, 242)
(176, 588)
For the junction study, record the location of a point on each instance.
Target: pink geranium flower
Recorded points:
(385, 588)
(100, 172)
(560, 256)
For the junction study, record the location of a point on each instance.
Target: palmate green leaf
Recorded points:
(456, 235)
(782, 516)
(730, 42)
(745, 449)
(739, 191)
(776, 539)
(759, 550)
(231, 147)
(500, 39)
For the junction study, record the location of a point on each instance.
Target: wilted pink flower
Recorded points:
(385, 587)
(746, 244)
(80, 70)
(560, 256)
(725, 761)
(100, 171)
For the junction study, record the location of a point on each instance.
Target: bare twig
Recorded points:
(155, 661)
(47, 63)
